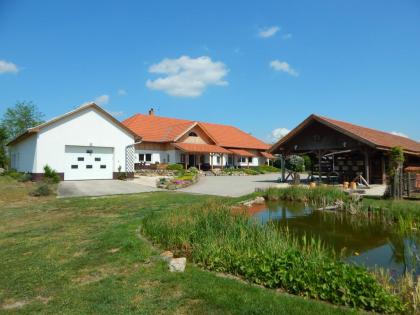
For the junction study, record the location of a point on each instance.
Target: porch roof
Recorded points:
(241, 152)
(268, 155)
(200, 148)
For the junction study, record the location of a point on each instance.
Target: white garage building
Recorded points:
(87, 143)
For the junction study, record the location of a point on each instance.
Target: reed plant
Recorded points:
(211, 236)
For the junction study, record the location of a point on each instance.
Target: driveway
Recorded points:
(86, 188)
(233, 186)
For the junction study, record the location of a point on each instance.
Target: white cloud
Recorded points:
(284, 67)
(102, 100)
(287, 36)
(122, 92)
(187, 77)
(268, 31)
(277, 134)
(397, 133)
(8, 67)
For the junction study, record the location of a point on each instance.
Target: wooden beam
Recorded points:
(283, 168)
(367, 168)
(383, 170)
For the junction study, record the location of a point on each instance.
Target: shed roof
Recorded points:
(372, 137)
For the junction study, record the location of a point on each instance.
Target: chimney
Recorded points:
(151, 112)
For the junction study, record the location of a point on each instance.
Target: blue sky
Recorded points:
(259, 66)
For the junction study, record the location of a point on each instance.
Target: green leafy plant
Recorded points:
(51, 175)
(211, 236)
(295, 163)
(42, 189)
(175, 167)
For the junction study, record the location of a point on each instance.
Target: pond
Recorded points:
(358, 240)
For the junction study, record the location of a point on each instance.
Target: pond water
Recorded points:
(361, 241)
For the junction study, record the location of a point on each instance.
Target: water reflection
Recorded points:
(360, 241)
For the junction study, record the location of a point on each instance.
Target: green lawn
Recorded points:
(85, 256)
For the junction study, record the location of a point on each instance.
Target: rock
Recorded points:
(167, 256)
(259, 200)
(2, 170)
(177, 264)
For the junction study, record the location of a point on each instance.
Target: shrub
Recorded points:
(267, 169)
(295, 163)
(307, 162)
(51, 175)
(193, 170)
(122, 176)
(220, 241)
(25, 177)
(42, 189)
(175, 167)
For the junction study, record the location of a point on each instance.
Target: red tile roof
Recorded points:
(163, 129)
(242, 152)
(376, 137)
(268, 155)
(200, 148)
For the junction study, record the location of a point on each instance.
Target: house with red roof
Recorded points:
(343, 151)
(193, 143)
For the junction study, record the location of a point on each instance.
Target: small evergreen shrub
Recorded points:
(51, 175)
(42, 189)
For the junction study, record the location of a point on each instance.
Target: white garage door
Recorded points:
(88, 163)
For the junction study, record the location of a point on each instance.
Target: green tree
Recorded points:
(22, 116)
(3, 141)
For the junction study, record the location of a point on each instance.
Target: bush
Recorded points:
(175, 167)
(193, 170)
(307, 162)
(295, 163)
(267, 169)
(51, 175)
(42, 189)
(218, 240)
(25, 177)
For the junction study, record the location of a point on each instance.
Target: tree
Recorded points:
(3, 141)
(19, 118)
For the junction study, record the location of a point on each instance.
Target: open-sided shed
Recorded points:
(343, 151)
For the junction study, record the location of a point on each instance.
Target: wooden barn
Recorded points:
(342, 151)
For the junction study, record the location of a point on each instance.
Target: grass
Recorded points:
(84, 255)
(213, 237)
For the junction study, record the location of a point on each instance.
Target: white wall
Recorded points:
(158, 156)
(23, 155)
(85, 128)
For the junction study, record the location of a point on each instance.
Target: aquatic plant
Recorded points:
(211, 236)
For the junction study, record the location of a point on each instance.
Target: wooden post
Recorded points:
(221, 160)
(211, 160)
(367, 167)
(383, 169)
(185, 160)
(319, 166)
(247, 159)
(283, 168)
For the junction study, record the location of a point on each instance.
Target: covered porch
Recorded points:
(202, 156)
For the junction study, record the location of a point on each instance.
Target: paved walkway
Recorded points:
(233, 186)
(86, 188)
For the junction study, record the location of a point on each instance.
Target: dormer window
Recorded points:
(192, 134)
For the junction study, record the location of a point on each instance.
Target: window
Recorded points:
(88, 166)
(75, 166)
(242, 159)
(192, 134)
(250, 159)
(80, 158)
(97, 159)
(168, 158)
(148, 157)
(218, 160)
(90, 151)
(103, 166)
(141, 157)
